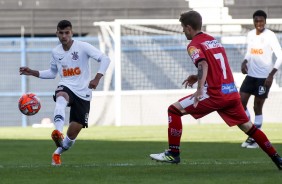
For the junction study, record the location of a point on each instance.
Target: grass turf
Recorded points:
(113, 155)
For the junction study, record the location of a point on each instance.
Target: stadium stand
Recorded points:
(40, 16)
(242, 9)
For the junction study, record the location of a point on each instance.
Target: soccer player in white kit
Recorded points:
(257, 64)
(71, 60)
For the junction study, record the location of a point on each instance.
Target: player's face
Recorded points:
(186, 31)
(259, 23)
(65, 35)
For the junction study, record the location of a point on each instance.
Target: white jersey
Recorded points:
(73, 67)
(259, 53)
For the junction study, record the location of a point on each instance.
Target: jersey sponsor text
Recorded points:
(256, 51)
(71, 71)
(212, 44)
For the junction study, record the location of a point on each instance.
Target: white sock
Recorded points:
(59, 150)
(248, 114)
(59, 113)
(258, 121)
(67, 144)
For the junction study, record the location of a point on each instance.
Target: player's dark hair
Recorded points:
(191, 18)
(259, 13)
(64, 24)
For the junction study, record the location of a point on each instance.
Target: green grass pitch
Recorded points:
(211, 154)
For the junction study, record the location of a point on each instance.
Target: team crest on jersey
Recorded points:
(74, 56)
(261, 90)
(193, 52)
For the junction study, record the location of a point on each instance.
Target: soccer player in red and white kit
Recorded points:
(257, 64)
(71, 60)
(216, 91)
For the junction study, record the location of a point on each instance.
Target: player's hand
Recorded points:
(244, 67)
(268, 81)
(93, 84)
(25, 71)
(192, 79)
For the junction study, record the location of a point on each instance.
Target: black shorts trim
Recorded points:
(255, 86)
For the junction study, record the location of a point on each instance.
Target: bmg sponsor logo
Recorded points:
(71, 71)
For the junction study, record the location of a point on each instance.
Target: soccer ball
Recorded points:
(29, 104)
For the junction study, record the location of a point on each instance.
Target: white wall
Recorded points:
(150, 108)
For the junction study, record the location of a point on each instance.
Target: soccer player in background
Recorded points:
(216, 91)
(257, 64)
(71, 60)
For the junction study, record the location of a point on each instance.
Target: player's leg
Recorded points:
(234, 115)
(262, 140)
(62, 99)
(261, 93)
(258, 105)
(244, 100)
(175, 111)
(246, 90)
(69, 140)
(78, 119)
(67, 143)
(259, 137)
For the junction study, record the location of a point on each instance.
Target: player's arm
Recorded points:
(270, 77)
(27, 71)
(44, 74)
(51, 73)
(278, 53)
(104, 64)
(202, 76)
(244, 67)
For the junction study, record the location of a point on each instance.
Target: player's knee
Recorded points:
(252, 130)
(172, 109)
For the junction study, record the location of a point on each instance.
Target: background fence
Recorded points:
(35, 53)
(152, 70)
(151, 62)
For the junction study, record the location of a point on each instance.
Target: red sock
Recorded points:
(262, 140)
(174, 129)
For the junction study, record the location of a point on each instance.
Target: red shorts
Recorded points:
(231, 111)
